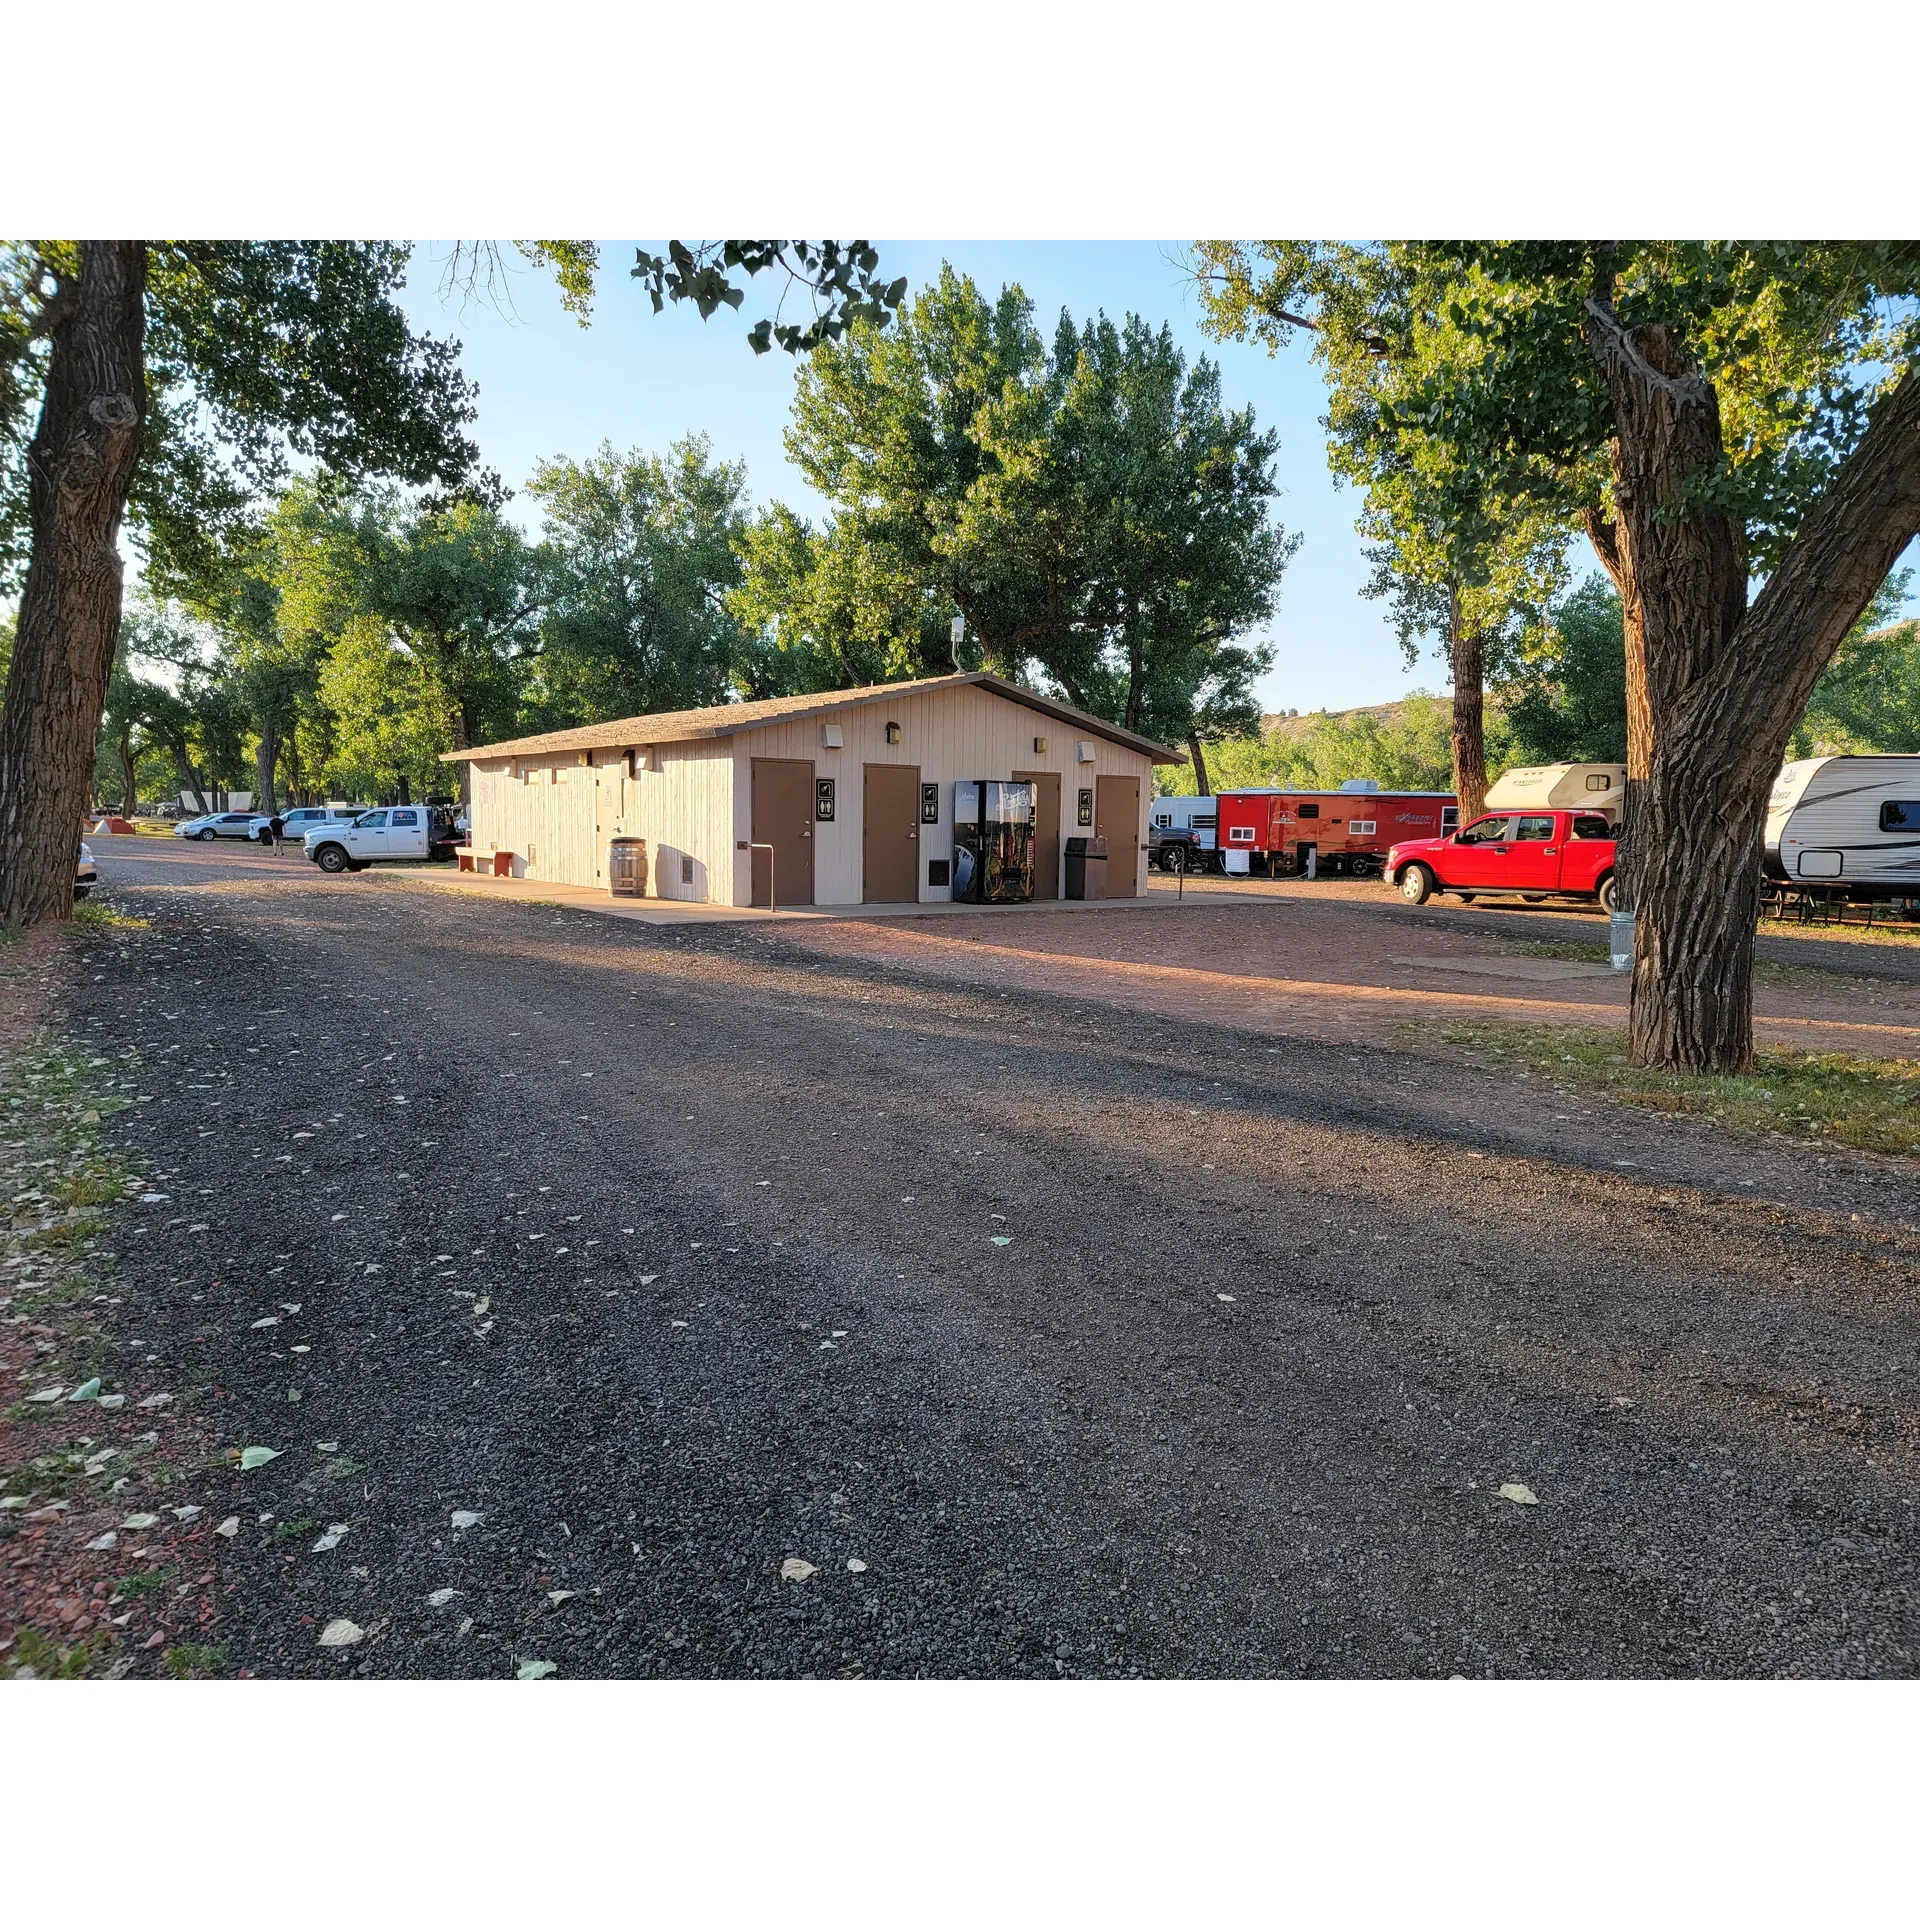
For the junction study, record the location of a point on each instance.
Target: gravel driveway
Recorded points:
(1054, 1343)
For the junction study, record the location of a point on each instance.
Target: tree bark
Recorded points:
(80, 469)
(1715, 688)
(266, 762)
(1466, 651)
(1201, 783)
(129, 775)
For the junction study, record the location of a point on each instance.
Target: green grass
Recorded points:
(188, 1661)
(151, 1581)
(293, 1529)
(1832, 1097)
(53, 1659)
(90, 913)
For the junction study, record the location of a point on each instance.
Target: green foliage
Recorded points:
(1868, 700)
(1568, 694)
(1093, 511)
(638, 558)
(840, 278)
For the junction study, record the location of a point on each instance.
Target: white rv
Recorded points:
(1590, 786)
(1190, 812)
(1851, 821)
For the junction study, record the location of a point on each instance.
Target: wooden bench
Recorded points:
(495, 860)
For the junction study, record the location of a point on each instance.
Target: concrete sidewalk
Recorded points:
(698, 913)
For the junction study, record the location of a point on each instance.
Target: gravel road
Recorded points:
(1053, 1344)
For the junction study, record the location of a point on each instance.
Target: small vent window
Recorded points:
(1310, 812)
(1361, 826)
(1240, 836)
(1599, 782)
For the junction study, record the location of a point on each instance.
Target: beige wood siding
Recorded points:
(697, 808)
(555, 815)
(956, 733)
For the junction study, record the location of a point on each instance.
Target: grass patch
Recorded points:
(293, 1529)
(189, 1662)
(1833, 1097)
(90, 913)
(136, 1584)
(53, 1659)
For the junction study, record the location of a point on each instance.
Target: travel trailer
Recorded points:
(1348, 830)
(1849, 823)
(1588, 787)
(1195, 812)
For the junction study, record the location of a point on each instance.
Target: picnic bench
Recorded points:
(497, 861)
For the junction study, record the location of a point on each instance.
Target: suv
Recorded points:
(1534, 853)
(297, 822)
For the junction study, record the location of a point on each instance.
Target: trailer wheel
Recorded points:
(1416, 884)
(1607, 895)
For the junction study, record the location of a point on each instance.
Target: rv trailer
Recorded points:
(1585, 786)
(1848, 824)
(1347, 830)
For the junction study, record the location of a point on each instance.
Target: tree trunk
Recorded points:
(1199, 756)
(1466, 651)
(129, 775)
(1136, 670)
(404, 792)
(1714, 688)
(266, 759)
(80, 469)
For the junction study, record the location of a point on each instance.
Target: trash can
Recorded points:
(1087, 867)
(627, 865)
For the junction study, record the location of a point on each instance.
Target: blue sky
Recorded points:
(641, 380)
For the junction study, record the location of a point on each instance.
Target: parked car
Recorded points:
(88, 876)
(1538, 855)
(297, 822)
(218, 826)
(381, 833)
(1178, 849)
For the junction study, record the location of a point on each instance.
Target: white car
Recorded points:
(88, 876)
(297, 822)
(218, 826)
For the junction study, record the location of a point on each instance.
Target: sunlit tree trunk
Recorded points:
(1466, 653)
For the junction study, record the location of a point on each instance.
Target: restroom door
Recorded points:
(1116, 818)
(890, 833)
(783, 820)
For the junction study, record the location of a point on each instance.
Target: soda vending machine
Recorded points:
(993, 841)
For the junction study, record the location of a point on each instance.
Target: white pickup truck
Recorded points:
(381, 833)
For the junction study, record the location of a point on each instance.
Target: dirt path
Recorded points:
(1054, 1342)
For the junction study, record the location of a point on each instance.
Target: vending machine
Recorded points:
(993, 841)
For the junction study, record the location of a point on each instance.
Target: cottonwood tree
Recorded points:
(1736, 426)
(171, 381)
(637, 559)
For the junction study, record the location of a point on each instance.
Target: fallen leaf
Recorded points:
(13, 1500)
(106, 1540)
(113, 1402)
(535, 1669)
(1002, 1240)
(1520, 1494)
(86, 1390)
(47, 1395)
(228, 1527)
(462, 1519)
(272, 1320)
(335, 1533)
(155, 1400)
(251, 1457)
(563, 1593)
(856, 1566)
(441, 1595)
(796, 1569)
(186, 1513)
(1227, 1297)
(139, 1521)
(341, 1633)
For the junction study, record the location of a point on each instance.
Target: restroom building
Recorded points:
(824, 799)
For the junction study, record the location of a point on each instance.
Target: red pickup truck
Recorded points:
(1531, 853)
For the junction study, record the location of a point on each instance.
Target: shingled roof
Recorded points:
(716, 723)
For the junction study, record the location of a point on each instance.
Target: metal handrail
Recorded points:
(773, 892)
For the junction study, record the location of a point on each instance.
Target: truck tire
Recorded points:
(332, 858)
(1416, 884)
(1173, 859)
(1606, 893)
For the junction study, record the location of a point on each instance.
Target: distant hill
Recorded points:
(1294, 726)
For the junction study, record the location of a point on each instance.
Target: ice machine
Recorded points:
(993, 841)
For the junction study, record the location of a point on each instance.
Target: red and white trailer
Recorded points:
(1273, 829)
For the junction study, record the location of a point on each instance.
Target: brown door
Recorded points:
(783, 821)
(1116, 818)
(1046, 834)
(890, 811)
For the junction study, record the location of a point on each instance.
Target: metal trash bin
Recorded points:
(627, 866)
(1087, 867)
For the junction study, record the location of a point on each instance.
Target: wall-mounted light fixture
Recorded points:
(1039, 743)
(893, 733)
